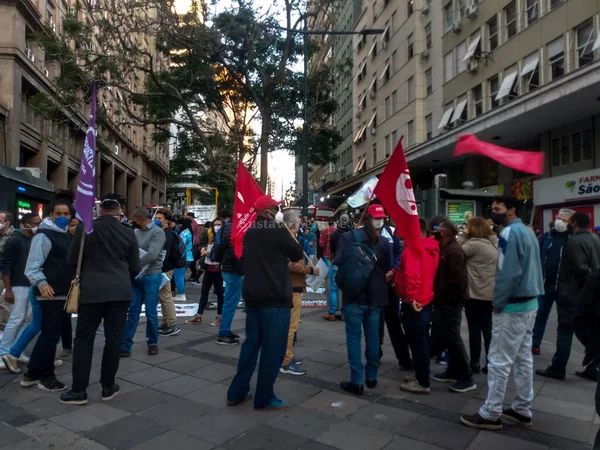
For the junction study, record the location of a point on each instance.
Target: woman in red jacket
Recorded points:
(414, 286)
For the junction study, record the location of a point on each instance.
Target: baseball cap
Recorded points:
(376, 211)
(265, 202)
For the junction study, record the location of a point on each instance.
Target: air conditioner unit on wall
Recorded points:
(456, 28)
(33, 171)
(425, 54)
(473, 65)
(425, 9)
(472, 9)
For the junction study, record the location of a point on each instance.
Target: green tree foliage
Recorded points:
(213, 79)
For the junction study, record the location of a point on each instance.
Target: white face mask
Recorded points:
(560, 226)
(378, 223)
(217, 228)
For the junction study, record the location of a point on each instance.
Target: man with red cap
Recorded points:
(267, 291)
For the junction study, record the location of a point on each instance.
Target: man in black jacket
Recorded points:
(450, 292)
(268, 246)
(165, 295)
(12, 267)
(581, 258)
(232, 268)
(110, 263)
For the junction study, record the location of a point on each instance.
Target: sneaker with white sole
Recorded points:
(23, 359)
(180, 298)
(414, 387)
(51, 385)
(58, 363)
(11, 363)
(463, 386)
(28, 381)
(292, 369)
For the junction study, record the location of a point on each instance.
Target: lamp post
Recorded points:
(306, 33)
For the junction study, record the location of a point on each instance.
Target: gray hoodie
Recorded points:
(152, 240)
(38, 252)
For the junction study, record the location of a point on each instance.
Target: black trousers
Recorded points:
(391, 317)
(458, 361)
(66, 335)
(89, 318)
(479, 319)
(41, 362)
(211, 279)
(436, 341)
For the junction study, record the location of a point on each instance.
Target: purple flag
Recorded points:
(85, 199)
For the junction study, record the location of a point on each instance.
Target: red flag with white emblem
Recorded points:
(246, 193)
(395, 192)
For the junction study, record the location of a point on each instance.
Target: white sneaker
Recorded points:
(23, 359)
(58, 363)
(180, 298)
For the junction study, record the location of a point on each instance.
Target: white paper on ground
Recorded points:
(315, 282)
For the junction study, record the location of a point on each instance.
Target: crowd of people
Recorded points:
(497, 271)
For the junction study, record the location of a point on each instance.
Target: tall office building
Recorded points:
(128, 161)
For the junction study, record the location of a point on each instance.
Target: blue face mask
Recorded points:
(62, 222)
(158, 223)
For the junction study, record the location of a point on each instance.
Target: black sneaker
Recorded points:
(124, 354)
(406, 365)
(444, 377)
(463, 386)
(51, 385)
(371, 384)
(551, 372)
(74, 398)
(476, 421)
(109, 392)
(476, 369)
(169, 331)
(227, 340)
(512, 416)
(235, 336)
(28, 381)
(588, 374)
(356, 389)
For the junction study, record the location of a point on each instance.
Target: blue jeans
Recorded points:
(32, 330)
(179, 277)
(266, 332)
(416, 325)
(145, 291)
(356, 318)
(20, 312)
(333, 289)
(545, 303)
(233, 294)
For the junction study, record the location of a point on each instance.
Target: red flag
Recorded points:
(395, 192)
(530, 162)
(246, 193)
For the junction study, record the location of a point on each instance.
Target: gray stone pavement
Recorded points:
(176, 400)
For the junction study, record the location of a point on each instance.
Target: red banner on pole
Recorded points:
(246, 193)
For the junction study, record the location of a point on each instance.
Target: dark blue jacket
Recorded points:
(551, 253)
(396, 247)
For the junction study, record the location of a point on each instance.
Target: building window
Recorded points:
(394, 140)
(448, 66)
(429, 126)
(385, 75)
(530, 73)
(410, 7)
(494, 87)
(374, 154)
(395, 105)
(555, 3)
(411, 46)
(410, 89)
(556, 58)
(510, 18)
(585, 43)
(572, 149)
(428, 37)
(388, 146)
(395, 62)
(492, 32)
(532, 12)
(429, 81)
(449, 17)
(462, 9)
(477, 94)
(461, 51)
(509, 87)
(388, 107)
(411, 133)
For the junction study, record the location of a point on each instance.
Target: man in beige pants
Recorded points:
(165, 297)
(299, 270)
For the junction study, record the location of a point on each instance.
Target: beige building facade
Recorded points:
(128, 162)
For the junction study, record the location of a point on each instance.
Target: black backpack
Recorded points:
(357, 267)
(176, 253)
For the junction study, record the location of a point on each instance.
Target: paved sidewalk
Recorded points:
(176, 400)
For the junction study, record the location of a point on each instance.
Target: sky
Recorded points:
(282, 166)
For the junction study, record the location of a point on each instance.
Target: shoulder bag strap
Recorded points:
(80, 256)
